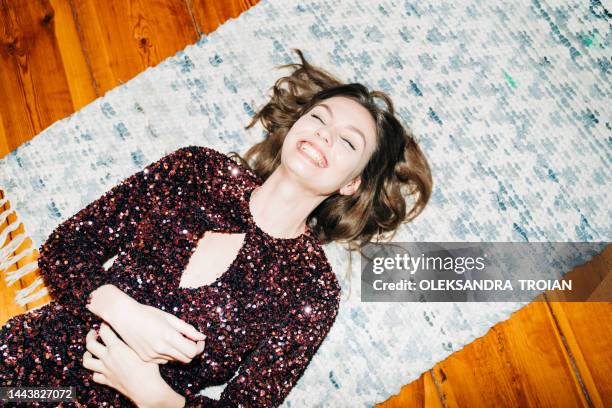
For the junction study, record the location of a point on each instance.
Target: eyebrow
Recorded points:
(359, 132)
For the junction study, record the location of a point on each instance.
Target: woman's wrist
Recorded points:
(109, 302)
(167, 398)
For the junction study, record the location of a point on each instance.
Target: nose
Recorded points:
(325, 136)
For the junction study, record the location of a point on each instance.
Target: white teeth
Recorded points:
(313, 153)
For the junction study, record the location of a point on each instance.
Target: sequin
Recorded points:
(264, 318)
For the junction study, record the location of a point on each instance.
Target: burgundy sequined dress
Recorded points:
(264, 318)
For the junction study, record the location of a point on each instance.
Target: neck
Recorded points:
(281, 207)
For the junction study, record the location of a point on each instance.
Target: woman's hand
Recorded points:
(116, 365)
(156, 336)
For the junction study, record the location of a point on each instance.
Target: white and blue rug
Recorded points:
(509, 100)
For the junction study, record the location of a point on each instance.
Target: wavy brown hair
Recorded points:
(397, 168)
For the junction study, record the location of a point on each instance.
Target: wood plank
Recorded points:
(34, 88)
(589, 281)
(76, 67)
(4, 139)
(520, 362)
(210, 14)
(421, 393)
(122, 39)
(587, 332)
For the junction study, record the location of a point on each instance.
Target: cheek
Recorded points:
(297, 128)
(345, 163)
(291, 139)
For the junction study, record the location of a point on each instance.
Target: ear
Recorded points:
(351, 186)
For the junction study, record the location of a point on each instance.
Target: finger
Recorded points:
(199, 347)
(186, 329)
(159, 361)
(100, 378)
(108, 335)
(92, 345)
(164, 350)
(172, 351)
(178, 355)
(91, 363)
(187, 347)
(160, 356)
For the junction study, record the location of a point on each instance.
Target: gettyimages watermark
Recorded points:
(481, 272)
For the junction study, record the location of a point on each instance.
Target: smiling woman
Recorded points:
(332, 141)
(366, 163)
(183, 312)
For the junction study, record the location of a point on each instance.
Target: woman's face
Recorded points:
(328, 147)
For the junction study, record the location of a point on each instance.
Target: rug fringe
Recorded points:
(11, 247)
(21, 296)
(8, 257)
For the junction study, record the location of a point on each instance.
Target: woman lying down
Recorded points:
(220, 275)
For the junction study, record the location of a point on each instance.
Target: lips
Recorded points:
(303, 144)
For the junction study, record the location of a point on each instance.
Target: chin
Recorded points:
(303, 170)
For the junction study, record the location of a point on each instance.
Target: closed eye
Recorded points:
(346, 140)
(315, 116)
(350, 144)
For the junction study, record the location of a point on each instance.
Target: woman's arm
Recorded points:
(166, 398)
(109, 303)
(269, 372)
(71, 259)
(115, 365)
(153, 334)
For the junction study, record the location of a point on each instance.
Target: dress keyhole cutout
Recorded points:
(214, 255)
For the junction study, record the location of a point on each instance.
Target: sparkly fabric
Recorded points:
(264, 318)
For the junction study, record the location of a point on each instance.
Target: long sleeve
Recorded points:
(272, 369)
(71, 258)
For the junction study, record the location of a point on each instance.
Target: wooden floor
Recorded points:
(57, 56)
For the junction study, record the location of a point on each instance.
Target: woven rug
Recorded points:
(509, 100)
